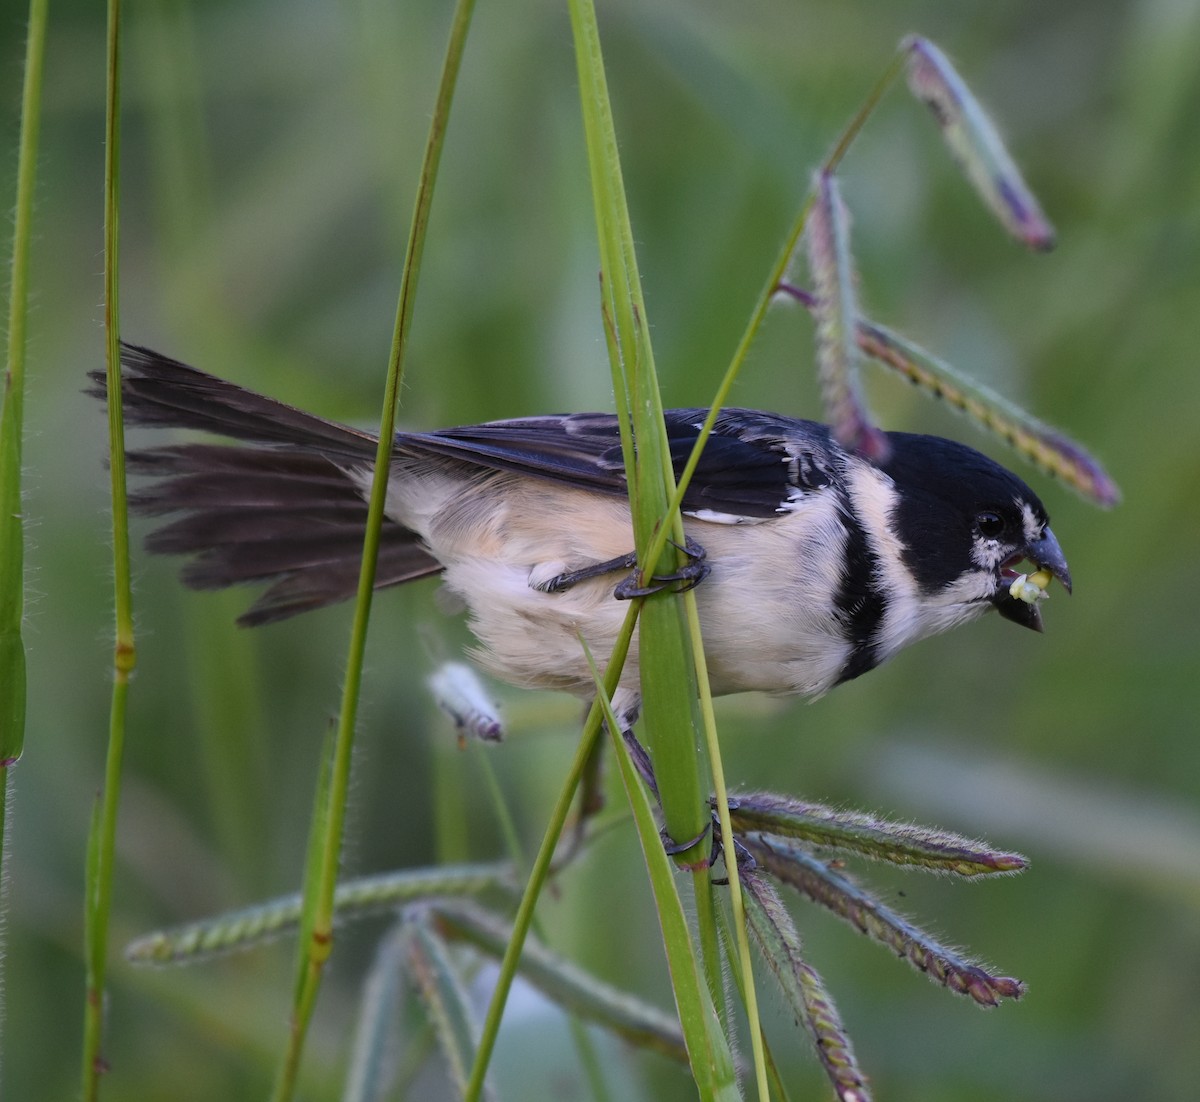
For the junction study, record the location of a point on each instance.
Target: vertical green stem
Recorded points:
(315, 950)
(541, 868)
(102, 844)
(12, 413)
(12, 426)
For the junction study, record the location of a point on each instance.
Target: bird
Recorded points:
(812, 565)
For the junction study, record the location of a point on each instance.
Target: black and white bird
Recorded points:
(816, 564)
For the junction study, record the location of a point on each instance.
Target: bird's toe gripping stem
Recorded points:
(688, 576)
(745, 858)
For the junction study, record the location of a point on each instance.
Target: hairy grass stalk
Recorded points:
(541, 870)
(709, 1052)
(102, 840)
(314, 950)
(13, 686)
(12, 416)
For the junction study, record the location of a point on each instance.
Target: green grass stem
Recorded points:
(540, 870)
(317, 947)
(13, 686)
(102, 843)
(12, 414)
(708, 1048)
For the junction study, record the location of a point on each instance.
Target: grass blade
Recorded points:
(373, 1059)
(708, 1049)
(667, 680)
(315, 942)
(545, 857)
(12, 415)
(323, 887)
(13, 684)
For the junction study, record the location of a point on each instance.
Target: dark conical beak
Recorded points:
(1047, 554)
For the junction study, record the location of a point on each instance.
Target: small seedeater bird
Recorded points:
(812, 564)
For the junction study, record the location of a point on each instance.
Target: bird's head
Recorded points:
(966, 524)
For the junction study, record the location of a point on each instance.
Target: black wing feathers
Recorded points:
(752, 465)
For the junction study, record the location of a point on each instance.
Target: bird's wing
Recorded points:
(754, 465)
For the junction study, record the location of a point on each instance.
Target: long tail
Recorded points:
(281, 510)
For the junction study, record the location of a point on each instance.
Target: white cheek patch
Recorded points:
(987, 554)
(1032, 526)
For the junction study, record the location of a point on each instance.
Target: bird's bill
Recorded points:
(1048, 556)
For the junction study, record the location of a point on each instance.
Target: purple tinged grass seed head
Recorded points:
(836, 311)
(975, 143)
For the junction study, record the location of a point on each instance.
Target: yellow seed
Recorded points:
(1025, 587)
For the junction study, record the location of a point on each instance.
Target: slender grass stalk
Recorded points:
(12, 427)
(741, 939)
(309, 965)
(774, 278)
(589, 1058)
(102, 843)
(703, 1032)
(357, 898)
(447, 1004)
(565, 983)
(542, 862)
(779, 1092)
(12, 415)
(316, 948)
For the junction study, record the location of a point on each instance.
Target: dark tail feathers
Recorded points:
(284, 512)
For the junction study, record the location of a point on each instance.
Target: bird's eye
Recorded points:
(990, 525)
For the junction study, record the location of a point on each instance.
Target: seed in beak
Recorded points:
(1031, 588)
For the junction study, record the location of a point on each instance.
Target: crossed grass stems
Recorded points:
(779, 840)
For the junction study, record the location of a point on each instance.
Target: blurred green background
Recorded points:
(270, 157)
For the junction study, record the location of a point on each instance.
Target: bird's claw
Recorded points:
(745, 859)
(688, 576)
